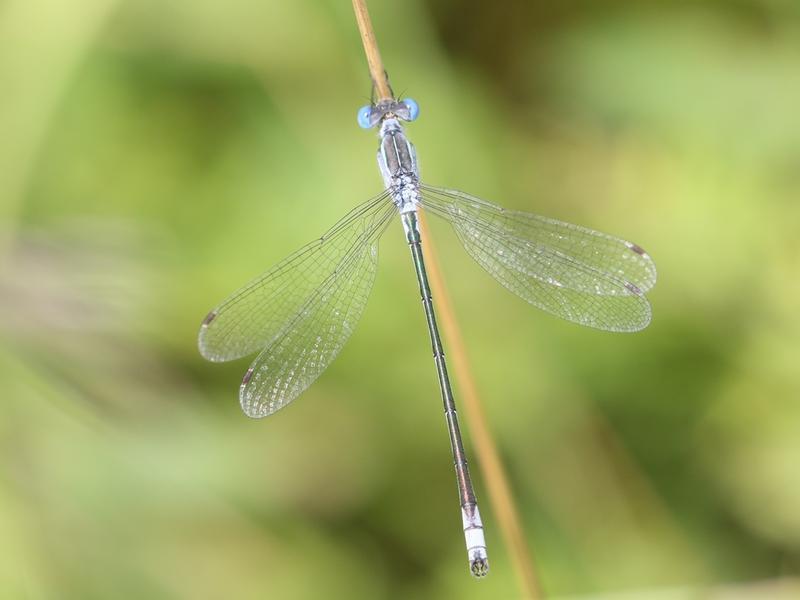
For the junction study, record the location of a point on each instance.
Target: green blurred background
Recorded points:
(156, 155)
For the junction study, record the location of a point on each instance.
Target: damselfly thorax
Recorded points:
(397, 160)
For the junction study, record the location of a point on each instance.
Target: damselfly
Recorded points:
(299, 314)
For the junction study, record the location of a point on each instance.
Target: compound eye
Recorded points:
(413, 108)
(364, 114)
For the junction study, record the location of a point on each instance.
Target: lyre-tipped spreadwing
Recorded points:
(299, 314)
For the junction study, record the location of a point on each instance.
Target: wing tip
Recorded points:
(252, 407)
(201, 337)
(643, 322)
(646, 315)
(641, 326)
(647, 263)
(254, 410)
(633, 324)
(202, 347)
(204, 344)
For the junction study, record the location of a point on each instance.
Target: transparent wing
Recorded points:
(573, 272)
(310, 342)
(256, 314)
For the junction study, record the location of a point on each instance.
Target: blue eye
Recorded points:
(413, 108)
(364, 114)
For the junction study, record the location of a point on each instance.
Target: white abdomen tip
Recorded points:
(479, 563)
(476, 543)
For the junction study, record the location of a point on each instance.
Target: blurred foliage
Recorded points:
(154, 156)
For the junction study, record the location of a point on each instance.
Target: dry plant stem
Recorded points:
(376, 70)
(491, 466)
(488, 457)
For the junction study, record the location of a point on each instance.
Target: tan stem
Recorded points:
(376, 70)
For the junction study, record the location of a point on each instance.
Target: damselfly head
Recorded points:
(372, 114)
